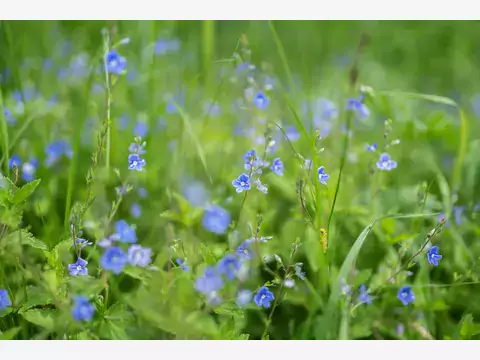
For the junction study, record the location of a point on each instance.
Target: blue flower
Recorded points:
(359, 107)
(261, 100)
(298, 271)
(81, 243)
(386, 163)
(82, 310)
(78, 268)
(114, 259)
(212, 109)
(142, 192)
(182, 264)
(28, 170)
(140, 129)
(135, 162)
(216, 219)
(277, 167)
(4, 299)
(457, 213)
(136, 148)
(244, 251)
(123, 121)
(241, 183)
(116, 64)
(250, 159)
(363, 297)
(14, 160)
(195, 193)
(125, 232)
(139, 256)
(229, 266)
(263, 297)
(107, 242)
(262, 187)
(209, 282)
(136, 210)
(292, 133)
(322, 176)
(433, 256)
(405, 295)
(243, 297)
(372, 147)
(55, 150)
(9, 117)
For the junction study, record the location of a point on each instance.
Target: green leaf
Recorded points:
(9, 334)
(24, 237)
(25, 191)
(428, 97)
(468, 327)
(43, 318)
(36, 295)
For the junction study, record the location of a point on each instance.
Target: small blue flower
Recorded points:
(125, 232)
(116, 64)
(28, 170)
(55, 150)
(82, 310)
(263, 297)
(182, 264)
(140, 129)
(250, 159)
(216, 219)
(298, 271)
(139, 256)
(10, 119)
(229, 266)
(262, 187)
(135, 162)
(386, 163)
(81, 243)
(123, 121)
(136, 210)
(433, 256)
(322, 176)
(244, 251)
(78, 268)
(292, 133)
(209, 282)
(114, 259)
(363, 297)
(4, 299)
(142, 192)
(135, 148)
(372, 147)
(457, 214)
(107, 242)
(261, 100)
(277, 167)
(405, 295)
(243, 297)
(195, 192)
(14, 160)
(359, 107)
(212, 109)
(241, 183)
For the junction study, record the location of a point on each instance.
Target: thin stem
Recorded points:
(275, 303)
(108, 99)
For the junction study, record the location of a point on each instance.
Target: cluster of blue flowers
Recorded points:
(135, 161)
(4, 299)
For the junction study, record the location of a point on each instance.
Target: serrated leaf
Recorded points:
(118, 311)
(9, 334)
(24, 237)
(36, 296)
(43, 318)
(25, 191)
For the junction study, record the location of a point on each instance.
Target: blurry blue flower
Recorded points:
(262, 187)
(400, 329)
(216, 219)
(244, 251)
(243, 297)
(209, 282)
(28, 169)
(139, 256)
(135, 162)
(298, 271)
(136, 210)
(214, 298)
(345, 288)
(107, 242)
(165, 46)
(97, 88)
(8, 115)
(359, 107)
(261, 100)
(82, 309)
(125, 232)
(289, 283)
(242, 183)
(322, 176)
(372, 147)
(140, 129)
(114, 259)
(263, 297)
(47, 64)
(433, 256)
(182, 264)
(229, 266)
(476, 104)
(123, 121)
(386, 163)
(250, 159)
(78, 268)
(292, 133)
(14, 160)
(81, 243)
(363, 297)
(4, 299)
(457, 214)
(195, 193)
(116, 64)
(142, 192)
(212, 109)
(405, 295)
(136, 148)
(277, 167)
(55, 150)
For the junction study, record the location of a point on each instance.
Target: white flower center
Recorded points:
(263, 296)
(79, 268)
(242, 183)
